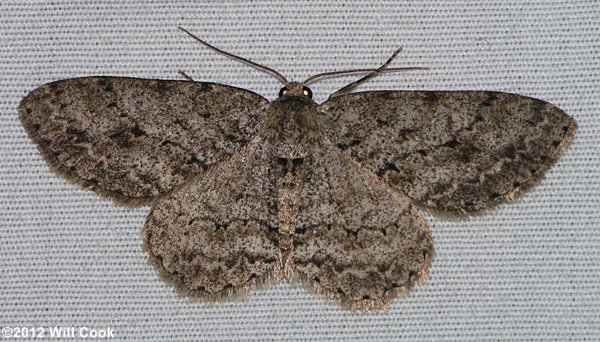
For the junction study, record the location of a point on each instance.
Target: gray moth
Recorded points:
(245, 192)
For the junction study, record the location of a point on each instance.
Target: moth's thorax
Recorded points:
(292, 124)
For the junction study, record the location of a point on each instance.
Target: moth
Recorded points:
(245, 192)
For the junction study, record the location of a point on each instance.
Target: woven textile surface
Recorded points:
(527, 271)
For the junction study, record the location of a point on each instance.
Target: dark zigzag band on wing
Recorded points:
(359, 242)
(217, 235)
(452, 151)
(119, 136)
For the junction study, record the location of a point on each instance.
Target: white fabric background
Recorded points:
(528, 271)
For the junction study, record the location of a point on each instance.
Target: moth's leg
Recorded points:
(185, 75)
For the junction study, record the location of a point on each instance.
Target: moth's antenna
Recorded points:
(356, 71)
(372, 73)
(367, 77)
(241, 59)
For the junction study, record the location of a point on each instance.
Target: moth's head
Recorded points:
(295, 89)
(299, 90)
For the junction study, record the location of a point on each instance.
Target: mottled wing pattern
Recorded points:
(217, 235)
(355, 240)
(134, 139)
(452, 151)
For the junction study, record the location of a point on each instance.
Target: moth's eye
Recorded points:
(307, 92)
(282, 91)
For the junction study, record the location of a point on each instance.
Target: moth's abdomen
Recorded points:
(290, 181)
